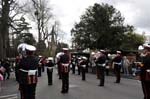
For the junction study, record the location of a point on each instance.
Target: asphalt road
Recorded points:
(89, 89)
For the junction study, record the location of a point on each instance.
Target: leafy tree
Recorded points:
(131, 41)
(25, 38)
(101, 26)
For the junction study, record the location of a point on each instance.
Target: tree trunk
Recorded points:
(1, 47)
(4, 34)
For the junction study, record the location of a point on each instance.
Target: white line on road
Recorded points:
(13, 97)
(7, 96)
(73, 86)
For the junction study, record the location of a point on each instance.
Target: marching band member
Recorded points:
(28, 74)
(145, 71)
(64, 61)
(101, 63)
(83, 64)
(50, 65)
(117, 66)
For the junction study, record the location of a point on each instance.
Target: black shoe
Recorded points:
(116, 82)
(100, 85)
(63, 92)
(50, 84)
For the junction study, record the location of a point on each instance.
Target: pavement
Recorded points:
(78, 89)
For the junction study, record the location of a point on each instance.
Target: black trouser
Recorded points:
(65, 82)
(16, 75)
(97, 72)
(50, 76)
(146, 89)
(83, 69)
(59, 70)
(117, 69)
(73, 68)
(79, 70)
(27, 91)
(107, 71)
(39, 71)
(101, 71)
(87, 68)
(43, 68)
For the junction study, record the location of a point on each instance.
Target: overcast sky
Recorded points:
(136, 12)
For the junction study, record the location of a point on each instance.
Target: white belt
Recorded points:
(30, 72)
(65, 65)
(148, 70)
(117, 63)
(83, 66)
(24, 70)
(107, 67)
(101, 65)
(49, 67)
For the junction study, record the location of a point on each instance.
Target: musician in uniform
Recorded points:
(28, 74)
(78, 65)
(117, 61)
(50, 65)
(101, 63)
(95, 59)
(40, 66)
(64, 61)
(83, 64)
(73, 63)
(145, 71)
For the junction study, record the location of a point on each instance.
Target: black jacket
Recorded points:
(27, 63)
(146, 65)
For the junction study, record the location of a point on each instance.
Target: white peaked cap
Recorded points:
(65, 49)
(102, 50)
(40, 56)
(50, 58)
(30, 48)
(79, 57)
(84, 58)
(98, 52)
(140, 47)
(92, 53)
(119, 52)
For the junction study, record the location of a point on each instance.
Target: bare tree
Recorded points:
(40, 12)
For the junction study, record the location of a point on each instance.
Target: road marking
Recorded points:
(15, 97)
(9, 96)
(73, 86)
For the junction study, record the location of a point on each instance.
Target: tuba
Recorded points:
(22, 49)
